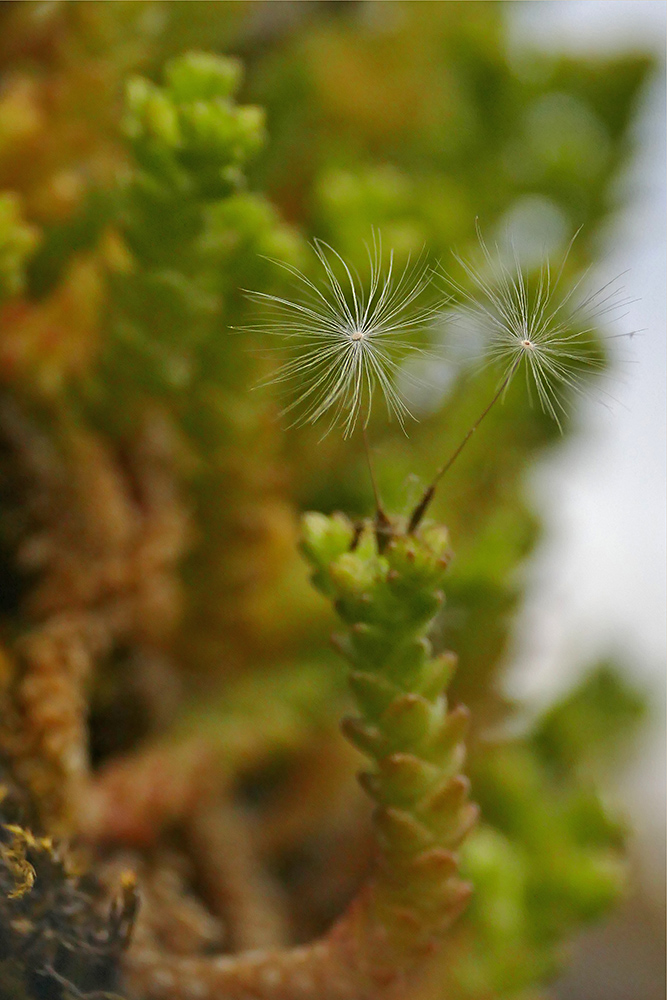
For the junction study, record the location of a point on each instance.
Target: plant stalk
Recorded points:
(429, 492)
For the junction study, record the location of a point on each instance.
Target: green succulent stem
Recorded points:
(387, 597)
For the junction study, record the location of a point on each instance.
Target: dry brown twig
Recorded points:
(105, 542)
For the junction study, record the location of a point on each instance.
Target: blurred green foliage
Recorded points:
(126, 240)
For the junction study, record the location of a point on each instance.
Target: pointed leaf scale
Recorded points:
(452, 731)
(437, 675)
(374, 694)
(366, 738)
(441, 810)
(401, 832)
(408, 722)
(405, 778)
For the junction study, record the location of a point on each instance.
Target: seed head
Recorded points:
(343, 340)
(537, 326)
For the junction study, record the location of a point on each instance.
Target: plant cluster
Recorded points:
(170, 707)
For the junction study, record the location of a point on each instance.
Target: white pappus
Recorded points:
(343, 340)
(553, 333)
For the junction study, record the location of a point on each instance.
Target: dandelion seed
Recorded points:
(551, 334)
(345, 341)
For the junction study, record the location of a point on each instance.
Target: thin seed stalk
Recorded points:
(423, 505)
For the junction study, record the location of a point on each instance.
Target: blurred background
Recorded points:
(591, 595)
(418, 118)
